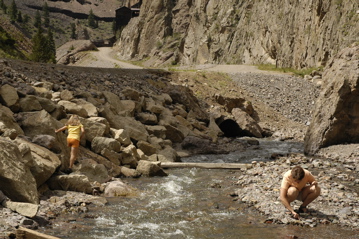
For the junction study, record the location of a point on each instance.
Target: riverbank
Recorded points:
(336, 172)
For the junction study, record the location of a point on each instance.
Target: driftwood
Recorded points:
(206, 165)
(24, 233)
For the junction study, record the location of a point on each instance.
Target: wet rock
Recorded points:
(150, 169)
(119, 188)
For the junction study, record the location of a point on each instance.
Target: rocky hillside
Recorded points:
(298, 34)
(63, 13)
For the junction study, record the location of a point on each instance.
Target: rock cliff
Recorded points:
(296, 34)
(335, 118)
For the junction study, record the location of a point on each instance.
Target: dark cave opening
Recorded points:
(231, 129)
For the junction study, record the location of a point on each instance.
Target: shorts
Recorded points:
(73, 143)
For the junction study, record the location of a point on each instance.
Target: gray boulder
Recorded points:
(249, 126)
(72, 182)
(16, 182)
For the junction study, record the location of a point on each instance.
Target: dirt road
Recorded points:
(106, 57)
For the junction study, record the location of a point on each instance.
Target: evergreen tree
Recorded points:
(3, 6)
(73, 31)
(91, 20)
(38, 50)
(50, 47)
(19, 17)
(26, 18)
(37, 22)
(13, 11)
(45, 9)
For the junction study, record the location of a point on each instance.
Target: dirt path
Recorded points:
(105, 57)
(106, 54)
(230, 69)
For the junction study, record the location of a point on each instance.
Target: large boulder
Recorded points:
(73, 108)
(72, 182)
(183, 95)
(336, 115)
(114, 101)
(93, 170)
(9, 97)
(42, 123)
(114, 170)
(8, 123)
(95, 127)
(16, 182)
(99, 143)
(249, 126)
(136, 130)
(29, 103)
(44, 162)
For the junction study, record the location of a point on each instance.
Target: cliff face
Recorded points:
(288, 33)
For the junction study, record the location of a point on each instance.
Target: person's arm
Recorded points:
(60, 129)
(311, 179)
(286, 204)
(82, 132)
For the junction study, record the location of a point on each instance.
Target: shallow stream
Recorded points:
(189, 203)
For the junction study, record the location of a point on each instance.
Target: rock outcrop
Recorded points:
(336, 118)
(294, 34)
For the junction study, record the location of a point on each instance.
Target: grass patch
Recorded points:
(302, 72)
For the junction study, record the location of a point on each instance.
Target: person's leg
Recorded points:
(74, 152)
(309, 194)
(292, 194)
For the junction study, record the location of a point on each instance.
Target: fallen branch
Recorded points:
(206, 165)
(24, 233)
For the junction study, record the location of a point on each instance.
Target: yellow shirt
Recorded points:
(74, 131)
(288, 180)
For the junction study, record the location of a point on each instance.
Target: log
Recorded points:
(206, 165)
(24, 233)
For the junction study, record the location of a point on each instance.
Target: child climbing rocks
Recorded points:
(75, 133)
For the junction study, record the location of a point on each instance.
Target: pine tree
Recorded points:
(45, 9)
(13, 11)
(37, 22)
(50, 47)
(38, 42)
(91, 20)
(3, 6)
(19, 17)
(73, 31)
(26, 18)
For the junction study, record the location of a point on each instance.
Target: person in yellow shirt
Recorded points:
(75, 133)
(298, 184)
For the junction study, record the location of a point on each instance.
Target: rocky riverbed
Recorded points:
(282, 106)
(336, 172)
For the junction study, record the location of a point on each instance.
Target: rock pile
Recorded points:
(292, 96)
(134, 120)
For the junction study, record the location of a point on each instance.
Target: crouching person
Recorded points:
(298, 184)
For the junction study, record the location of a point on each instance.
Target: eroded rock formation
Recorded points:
(336, 116)
(290, 34)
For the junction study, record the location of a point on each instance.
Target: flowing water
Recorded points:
(189, 204)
